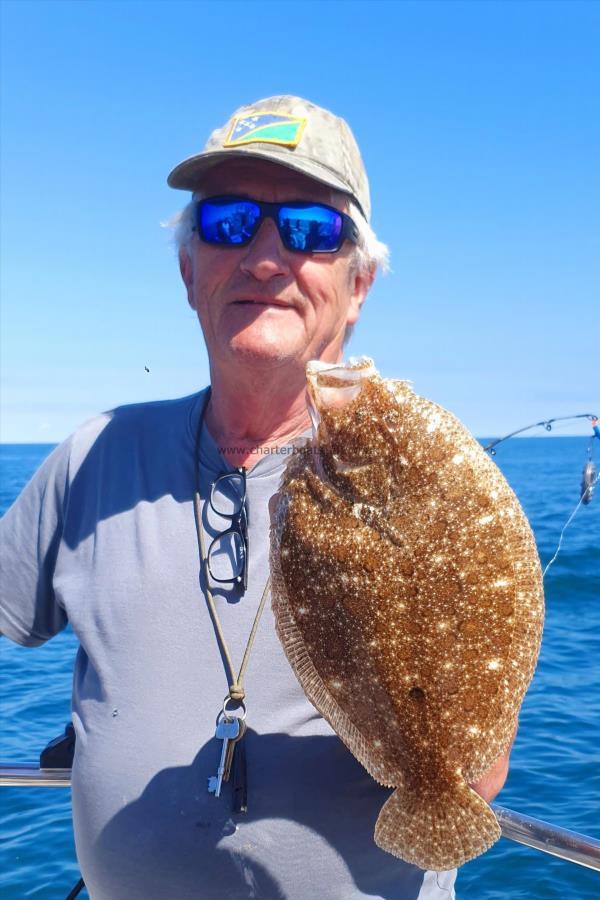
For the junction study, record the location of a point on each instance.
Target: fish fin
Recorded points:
(315, 688)
(439, 831)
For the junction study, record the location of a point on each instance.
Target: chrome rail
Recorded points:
(568, 845)
(25, 775)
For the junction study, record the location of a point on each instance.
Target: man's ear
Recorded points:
(186, 267)
(360, 286)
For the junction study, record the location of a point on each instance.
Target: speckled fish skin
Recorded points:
(408, 597)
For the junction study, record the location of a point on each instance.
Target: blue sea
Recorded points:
(555, 771)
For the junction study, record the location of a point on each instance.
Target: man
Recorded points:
(277, 258)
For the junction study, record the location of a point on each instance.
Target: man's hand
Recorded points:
(491, 783)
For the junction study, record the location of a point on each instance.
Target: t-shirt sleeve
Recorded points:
(30, 535)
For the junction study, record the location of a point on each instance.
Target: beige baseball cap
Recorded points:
(289, 131)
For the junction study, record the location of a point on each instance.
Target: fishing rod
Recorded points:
(547, 424)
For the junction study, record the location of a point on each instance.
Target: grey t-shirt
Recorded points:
(104, 537)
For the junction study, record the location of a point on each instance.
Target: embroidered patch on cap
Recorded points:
(268, 128)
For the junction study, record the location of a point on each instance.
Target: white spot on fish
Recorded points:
(434, 424)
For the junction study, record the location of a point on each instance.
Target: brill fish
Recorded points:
(407, 594)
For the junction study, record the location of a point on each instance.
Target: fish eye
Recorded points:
(417, 694)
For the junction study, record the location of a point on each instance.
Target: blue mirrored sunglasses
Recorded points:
(303, 227)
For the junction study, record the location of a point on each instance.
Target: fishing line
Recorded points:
(589, 477)
(566, 525)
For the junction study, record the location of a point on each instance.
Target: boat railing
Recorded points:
(569, 845)
(561, 842)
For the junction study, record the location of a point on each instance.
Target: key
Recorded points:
(239, 789)
(229, 757)
(227, 731)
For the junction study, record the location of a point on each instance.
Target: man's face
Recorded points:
(263, 303)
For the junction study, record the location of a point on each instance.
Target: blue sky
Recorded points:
(479, 123)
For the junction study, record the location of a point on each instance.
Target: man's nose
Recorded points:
(265, 256)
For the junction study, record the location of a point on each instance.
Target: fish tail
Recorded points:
(436, 831)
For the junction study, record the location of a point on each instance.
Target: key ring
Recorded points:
(228, 714)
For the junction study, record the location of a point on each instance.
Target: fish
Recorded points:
(588, 482)
(408, 598)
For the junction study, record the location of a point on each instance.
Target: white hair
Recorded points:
(370, 253)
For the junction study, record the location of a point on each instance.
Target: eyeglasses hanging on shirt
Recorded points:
(227, 557)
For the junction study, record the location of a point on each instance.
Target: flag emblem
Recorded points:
(269, 128)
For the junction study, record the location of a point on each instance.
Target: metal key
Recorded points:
(231, 750)
(239, 789)
(228, 731)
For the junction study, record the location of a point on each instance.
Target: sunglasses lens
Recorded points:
(312, 229)
(227, 221)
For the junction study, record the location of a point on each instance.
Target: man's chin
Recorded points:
(267, 345)
(261, 352)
